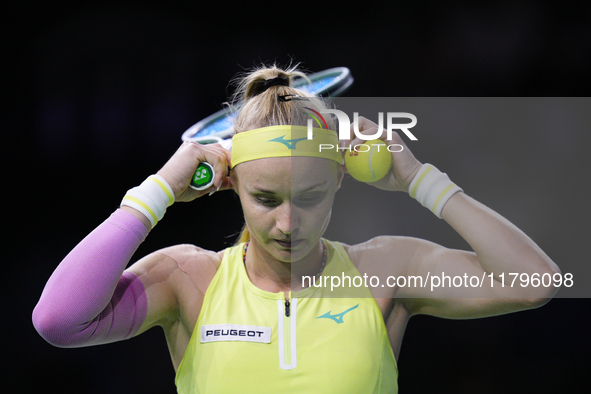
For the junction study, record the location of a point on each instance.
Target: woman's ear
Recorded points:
(340, 175)
(233, 180)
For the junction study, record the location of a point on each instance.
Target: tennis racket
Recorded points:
(218, 127)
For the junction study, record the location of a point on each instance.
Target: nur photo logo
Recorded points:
(344, 126)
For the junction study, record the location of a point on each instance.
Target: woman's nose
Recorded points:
(286, 219)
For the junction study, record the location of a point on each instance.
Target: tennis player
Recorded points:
(243, 319)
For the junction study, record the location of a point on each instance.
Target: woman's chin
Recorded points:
(290, 251)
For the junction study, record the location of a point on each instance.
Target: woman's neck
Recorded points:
(270, 274)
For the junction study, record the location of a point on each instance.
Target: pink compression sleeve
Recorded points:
(89, 300)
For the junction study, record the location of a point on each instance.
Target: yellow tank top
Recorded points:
(245, 341)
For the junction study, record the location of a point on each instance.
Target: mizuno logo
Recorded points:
(339, 317)
(289, 143)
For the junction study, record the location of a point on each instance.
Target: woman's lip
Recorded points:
(289, 244)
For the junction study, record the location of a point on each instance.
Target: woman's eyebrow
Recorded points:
(315, 186)
(259, 190)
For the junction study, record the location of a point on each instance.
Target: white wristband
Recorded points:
(151, 198)
(432, 188)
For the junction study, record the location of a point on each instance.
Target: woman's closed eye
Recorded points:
(267, 201)
(309, 199)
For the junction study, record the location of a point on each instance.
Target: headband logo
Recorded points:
(291, 144)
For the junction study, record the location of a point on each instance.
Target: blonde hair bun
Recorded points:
(258, 94)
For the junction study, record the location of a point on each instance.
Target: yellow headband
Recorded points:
(284, 141)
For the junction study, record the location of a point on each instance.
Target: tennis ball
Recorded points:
(368, 162)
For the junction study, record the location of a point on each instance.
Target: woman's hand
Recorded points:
(404, 164)
(179, 169)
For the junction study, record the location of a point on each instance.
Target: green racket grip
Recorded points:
(203, 176)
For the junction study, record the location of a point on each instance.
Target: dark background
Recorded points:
(97, 97)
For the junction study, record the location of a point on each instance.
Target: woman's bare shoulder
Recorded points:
(384, 248)
(187, 255)
(199, 264)
(195, 263)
